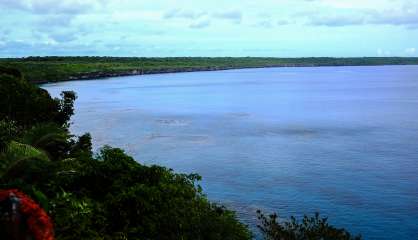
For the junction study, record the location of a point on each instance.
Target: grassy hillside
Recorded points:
(54, 69)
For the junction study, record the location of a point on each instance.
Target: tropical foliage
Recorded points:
(309, 228)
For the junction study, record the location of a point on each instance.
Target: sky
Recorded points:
(168, 28)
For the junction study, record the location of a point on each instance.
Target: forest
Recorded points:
(55, 69)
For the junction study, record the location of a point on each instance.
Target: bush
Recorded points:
(8, 131)
(310, 228)
(139, 202)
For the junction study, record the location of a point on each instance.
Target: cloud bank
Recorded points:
(277, 28)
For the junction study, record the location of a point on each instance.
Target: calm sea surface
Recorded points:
(339, 140)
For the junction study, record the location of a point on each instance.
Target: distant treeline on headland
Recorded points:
(55, 69)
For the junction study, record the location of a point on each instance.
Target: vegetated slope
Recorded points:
(107, 195)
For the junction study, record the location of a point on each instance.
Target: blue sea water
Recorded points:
(339, 140)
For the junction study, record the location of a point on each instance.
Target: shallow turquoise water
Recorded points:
(339, 140)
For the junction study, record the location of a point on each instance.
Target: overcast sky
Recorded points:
(274, 28)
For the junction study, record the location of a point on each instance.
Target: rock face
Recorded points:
(102, 74)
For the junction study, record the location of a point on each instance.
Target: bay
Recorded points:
(338, 140)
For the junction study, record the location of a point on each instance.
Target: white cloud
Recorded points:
(264, 24)
(410, 51)
(358, 4)
(181, 13)
(52, 6)
(304, 26)
(336, 20)
(383, 53)
(283, 22)
(234, 15)
(200, 24)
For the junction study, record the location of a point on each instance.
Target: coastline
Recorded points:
(42, 70)
(138, 72)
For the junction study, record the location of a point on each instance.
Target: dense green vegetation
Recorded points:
(51, 69)
(109, 195)
(310, 228)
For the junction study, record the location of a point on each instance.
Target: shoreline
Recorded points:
(42, 70)
(139, 72)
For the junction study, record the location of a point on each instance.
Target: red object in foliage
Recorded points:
(38, 222)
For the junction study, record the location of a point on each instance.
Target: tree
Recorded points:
(28, 105)
(66, 107)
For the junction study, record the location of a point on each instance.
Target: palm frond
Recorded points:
(17, 152)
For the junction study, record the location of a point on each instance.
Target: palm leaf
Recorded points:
(43, 135)
(50, 138)
(17, 152)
